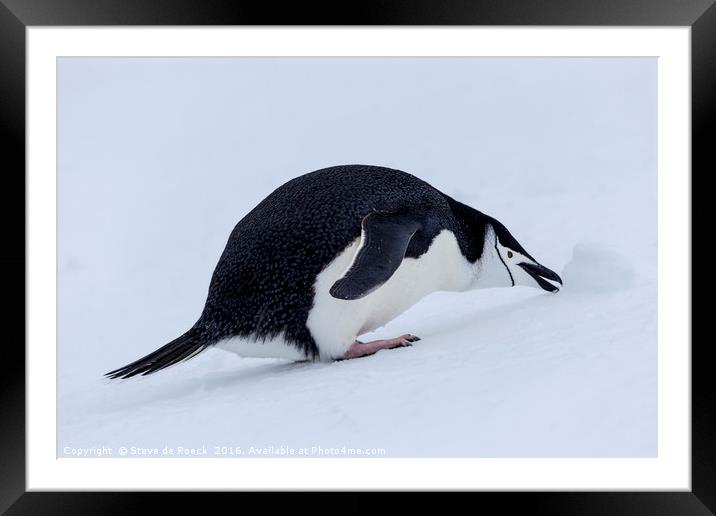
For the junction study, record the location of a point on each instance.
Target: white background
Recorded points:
(162, 158)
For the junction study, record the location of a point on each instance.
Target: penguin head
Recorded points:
(504, 262)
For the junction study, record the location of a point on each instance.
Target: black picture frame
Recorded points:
(17, 15)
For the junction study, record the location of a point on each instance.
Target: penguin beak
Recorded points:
(541, 274)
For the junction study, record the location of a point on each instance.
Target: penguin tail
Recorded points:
(180, 349)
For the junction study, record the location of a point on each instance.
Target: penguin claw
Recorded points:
(406, 340)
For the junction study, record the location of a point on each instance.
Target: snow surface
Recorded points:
(159, 158)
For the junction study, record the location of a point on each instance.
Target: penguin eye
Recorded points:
(509, 254)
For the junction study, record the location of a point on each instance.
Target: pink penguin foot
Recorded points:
(361, 349)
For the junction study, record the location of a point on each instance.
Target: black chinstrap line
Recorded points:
(503, 263)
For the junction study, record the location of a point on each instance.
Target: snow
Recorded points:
(159, 158)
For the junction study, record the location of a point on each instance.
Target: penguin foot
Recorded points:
(362, 349)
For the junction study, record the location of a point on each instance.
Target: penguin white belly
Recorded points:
(335, 323)
(269, 348)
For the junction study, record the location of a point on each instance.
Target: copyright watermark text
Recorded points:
(222, 451)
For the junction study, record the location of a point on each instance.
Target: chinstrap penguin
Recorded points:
(339, 252)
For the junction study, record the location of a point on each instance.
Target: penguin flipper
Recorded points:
(384, 240)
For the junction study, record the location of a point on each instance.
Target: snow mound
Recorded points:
(597, 268)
